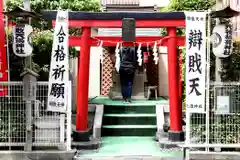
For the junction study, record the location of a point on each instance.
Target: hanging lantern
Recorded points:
(146, 54)
(222, 40)
(22, 43)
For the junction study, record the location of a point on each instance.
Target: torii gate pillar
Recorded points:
(82, 133)
(175, 133)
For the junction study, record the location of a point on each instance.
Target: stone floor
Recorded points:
(132, 158)
(37, 155)
(129, 148)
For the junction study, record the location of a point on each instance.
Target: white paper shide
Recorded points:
(195, 61)
(59, 68)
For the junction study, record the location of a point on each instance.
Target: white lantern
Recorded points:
(222, 40)
(22, 41)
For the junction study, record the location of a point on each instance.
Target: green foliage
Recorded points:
(184, 70)
(221, 129)
(187, 5)
(42, 39)
(73, 5)
(180, 31)
(236, 57)
(42, 48)
(190, 5)
(221, 126)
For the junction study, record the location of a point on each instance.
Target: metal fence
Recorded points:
(219, 126)
(49, 129)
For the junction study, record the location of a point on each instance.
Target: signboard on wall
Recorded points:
(223, 105)
(59, 68)
(195, 61)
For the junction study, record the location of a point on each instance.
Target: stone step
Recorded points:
(129, 126)
(129, 109)
(129, 130)
(130, 115)
(130, 119)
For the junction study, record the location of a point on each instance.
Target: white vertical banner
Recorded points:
(59, 68)
(195, 61)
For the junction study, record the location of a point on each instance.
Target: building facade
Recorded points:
(158, 72)
(235, 4)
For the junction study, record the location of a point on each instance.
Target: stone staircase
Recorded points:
(129, 120)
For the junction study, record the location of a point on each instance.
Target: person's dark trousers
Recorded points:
(126, 80)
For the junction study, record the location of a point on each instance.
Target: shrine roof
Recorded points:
(76, 15)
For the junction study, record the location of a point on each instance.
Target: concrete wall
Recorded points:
(159, 3)
(163, 73)
(235, 4)
(73, 63)
(94, 77)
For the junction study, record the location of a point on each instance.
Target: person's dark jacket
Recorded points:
(128, 59)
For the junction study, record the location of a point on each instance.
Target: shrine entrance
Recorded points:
(146, 75)
(88, 20)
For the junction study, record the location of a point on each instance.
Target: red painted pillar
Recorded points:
(3, 54)
(83, 81)
(180, 76)
(175, 133)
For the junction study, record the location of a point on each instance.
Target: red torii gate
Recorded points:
(112, 41)
(88, 20)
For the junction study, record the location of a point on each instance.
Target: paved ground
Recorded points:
(129, 148)
(37, 155)
(214, 157)
(197, 157)
(131, 158)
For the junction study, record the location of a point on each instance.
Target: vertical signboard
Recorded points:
(195, 61)
(59, 68)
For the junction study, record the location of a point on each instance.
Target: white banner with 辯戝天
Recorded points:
(59, 68)
(195, 61)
